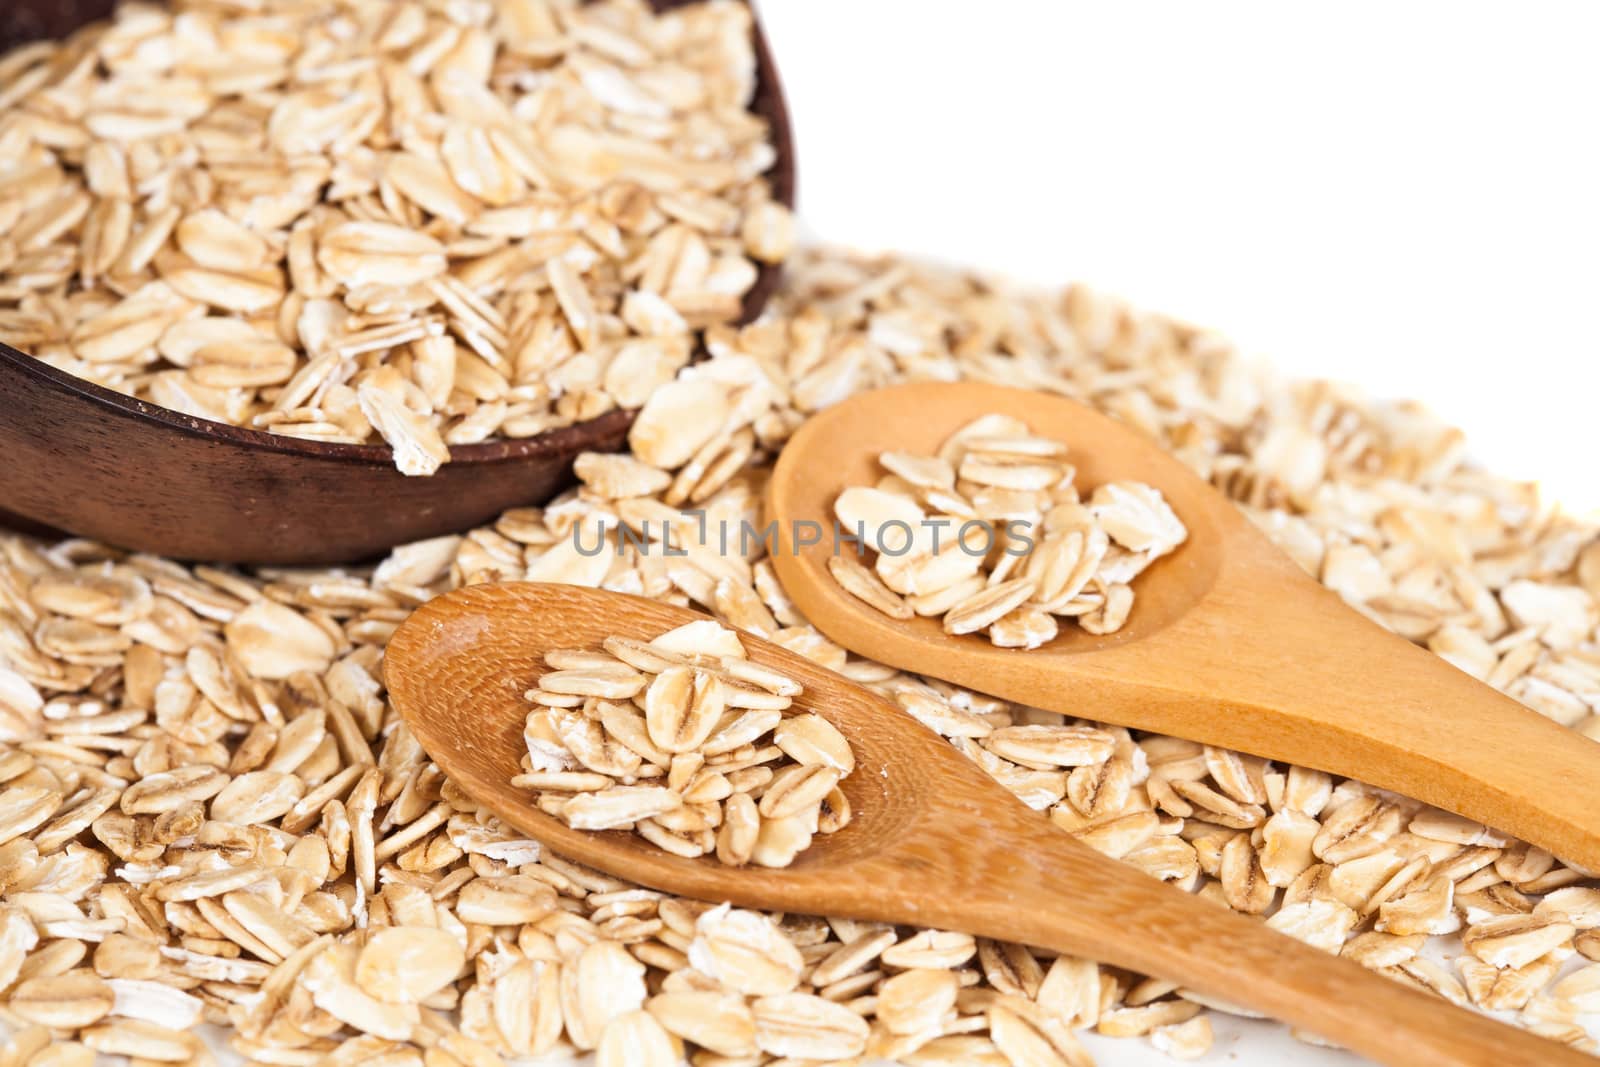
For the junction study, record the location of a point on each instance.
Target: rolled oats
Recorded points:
(589, 753)
(62, 1002)
(136, 693)
(1184, 1041)
(407, 964)
(745, 951)
(990, 535)
(917, 1001)
(1029, 1039)
(720, 1022)
(635, 1039)
(424, 227)
(805, 1026)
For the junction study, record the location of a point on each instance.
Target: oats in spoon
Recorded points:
(688, 743)
(992, 535)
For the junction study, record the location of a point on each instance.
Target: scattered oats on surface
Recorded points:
(991, 535)
(382, 915)
(420, 224)
(687, 743)
(1184, 1041)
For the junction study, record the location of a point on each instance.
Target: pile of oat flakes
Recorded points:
(210, 813)
(359, 221)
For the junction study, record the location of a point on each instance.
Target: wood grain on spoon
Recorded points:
(934, 841)
(1229, 641)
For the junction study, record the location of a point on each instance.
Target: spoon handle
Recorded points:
(1301, 677)
(1031, 883)
(1399, 717)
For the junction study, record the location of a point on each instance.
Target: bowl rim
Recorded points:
(120, 405)
(768, 101)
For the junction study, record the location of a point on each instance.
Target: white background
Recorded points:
(1402, 195)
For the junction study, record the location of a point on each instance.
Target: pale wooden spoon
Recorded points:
(934, 841)
(1229, 641)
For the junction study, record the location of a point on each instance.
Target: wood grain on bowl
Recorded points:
(99, 464)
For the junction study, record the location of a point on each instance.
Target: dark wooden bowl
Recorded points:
(83, 459)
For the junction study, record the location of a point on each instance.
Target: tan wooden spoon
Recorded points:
(1229, 641)
(934, 841)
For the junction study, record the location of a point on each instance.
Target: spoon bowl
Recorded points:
(934, 842)
(1229, 641)
(95, 463)
(458, 667)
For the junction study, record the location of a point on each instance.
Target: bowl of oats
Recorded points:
(259, 269)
